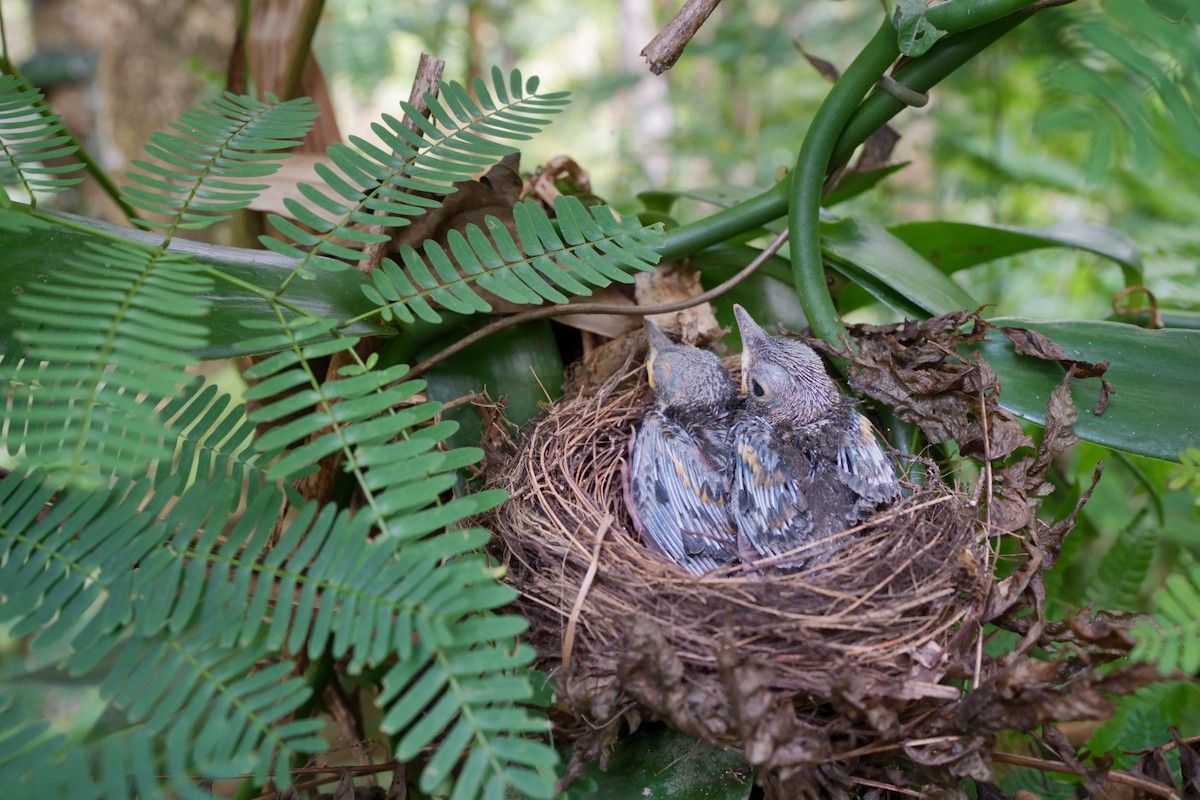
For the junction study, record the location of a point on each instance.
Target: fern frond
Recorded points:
(1126, 85)
(1143, 720)
(84, 398)
(199, 174)
(106, 575)
(209, 436)
(458, 670)
(1124, 568)
(29, 136)
(593, 247)
(1172, 638)
(391, 184)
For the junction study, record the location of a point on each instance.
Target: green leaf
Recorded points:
(29, 135)
(914, 33)
(669, 765)
(396, 185)
(951, 246)
(599, 248)
(1156, 408)
(1141, 720)
(1171, 640)
(890, 270)
(199, 175)
(853, 184)
(33, 254)
(87, 389)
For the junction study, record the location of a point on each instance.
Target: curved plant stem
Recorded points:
(816, 159)
(808, 179)
(921, 75)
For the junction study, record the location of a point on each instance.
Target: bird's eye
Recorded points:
(757, 389)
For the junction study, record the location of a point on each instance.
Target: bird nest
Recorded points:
(822, 676)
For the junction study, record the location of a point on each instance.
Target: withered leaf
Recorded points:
(1028, 342)
(1032, 343)
(1189, 766)
(824, 68)
(1058, 436)
(1056, 533)
(1056, 741)
(1153, 766)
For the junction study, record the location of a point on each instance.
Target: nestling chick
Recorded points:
(807, 464)
(677, 487)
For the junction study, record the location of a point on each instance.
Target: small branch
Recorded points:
(1144, 784)
(598, 308)
(306, 26)
(666, 48)
(427, 80)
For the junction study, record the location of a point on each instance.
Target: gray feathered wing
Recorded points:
(771, 488)
(680, 501)
(863, 465)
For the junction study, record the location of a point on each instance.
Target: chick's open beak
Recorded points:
(753, 338)
(658, 341)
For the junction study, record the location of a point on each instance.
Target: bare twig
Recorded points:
(427, 80)
(665, 48)
(310, 15)
(597, 308)
(1045, 765)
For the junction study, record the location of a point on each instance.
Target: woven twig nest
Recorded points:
(819, 676)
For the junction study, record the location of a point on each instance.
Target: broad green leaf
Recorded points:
(914, 33)
(1155, 410)
(951, 246)
(520, 365)
(853, 184)
(32, 255)
(890, 270)
(668, 765)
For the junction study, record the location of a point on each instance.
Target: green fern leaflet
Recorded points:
(594, 248)
(30, 135)
(200, 174)
(140, 533)
(1171, 639)
(373, 186)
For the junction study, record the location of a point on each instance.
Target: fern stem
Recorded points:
(81, 153)
(808, 179)
(298, 59)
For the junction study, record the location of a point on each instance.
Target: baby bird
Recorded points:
(807, 463)
(677, 487)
